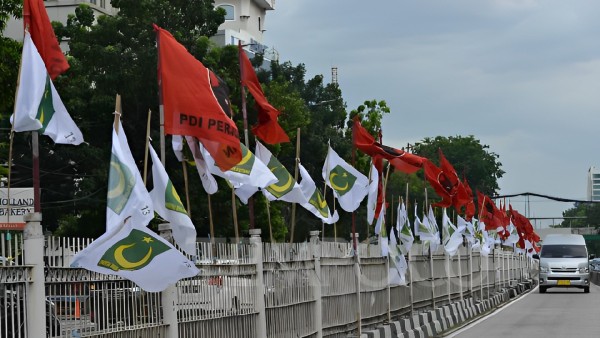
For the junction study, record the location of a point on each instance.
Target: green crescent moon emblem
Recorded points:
(46, 107)
(246, 163)
(133, 252)
(127, 265)
(319, 203)
(285, 181)
(172, 200)
(120, 185)
(341, 180)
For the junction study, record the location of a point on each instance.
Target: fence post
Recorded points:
(257, 254)
(33, 250)
(316, 249)
(460, 276)
(432, 278)
(169, 295)
(357, 279)
(448, 275)
(410, 276)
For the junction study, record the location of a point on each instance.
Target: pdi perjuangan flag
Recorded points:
(190, 105)
(38, 105)
(130, 250)
(168, 205)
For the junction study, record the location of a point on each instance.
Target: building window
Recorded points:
(93, 2)
(103, 3)
(230, 12)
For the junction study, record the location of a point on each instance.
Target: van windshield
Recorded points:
(563, 251)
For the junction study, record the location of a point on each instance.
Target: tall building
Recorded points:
(244, 22)
(593, 189)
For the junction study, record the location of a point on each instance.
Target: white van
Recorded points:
(564, 262)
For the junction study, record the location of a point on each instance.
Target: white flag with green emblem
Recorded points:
(403, 228)
(130, 250)
(286, 188)
(168, 205)
(208, 181)
(38, 105)
(127, 195)
(452, 235)
(316, 204)
(348, 184)
(372, 196)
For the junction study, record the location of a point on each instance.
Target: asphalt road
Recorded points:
(557, 313)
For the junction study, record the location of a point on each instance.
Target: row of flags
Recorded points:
(197, 113)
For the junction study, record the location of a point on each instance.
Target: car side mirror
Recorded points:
(536, 256)
(592, 256)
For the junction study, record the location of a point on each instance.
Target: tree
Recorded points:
(469, 158)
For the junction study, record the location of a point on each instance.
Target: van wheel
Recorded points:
(586, 289)
(542, 289)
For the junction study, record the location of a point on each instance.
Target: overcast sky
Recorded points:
(522, 76)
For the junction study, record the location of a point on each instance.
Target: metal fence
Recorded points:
(253, 289)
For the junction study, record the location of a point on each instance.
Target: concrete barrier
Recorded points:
(434, 322)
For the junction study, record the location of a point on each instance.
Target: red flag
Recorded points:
(267, 129)
(190, 106)
(439, 183)
(36, 21)
(401, 160)
(470, 206)
(457, 190)
(488, 213)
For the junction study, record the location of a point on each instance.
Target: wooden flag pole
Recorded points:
(293, 222)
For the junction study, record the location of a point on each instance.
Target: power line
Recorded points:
(559, 199)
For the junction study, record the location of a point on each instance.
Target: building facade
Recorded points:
(593, 188)
(244, 22)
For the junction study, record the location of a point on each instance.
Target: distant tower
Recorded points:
(334, 75)
(593, 191)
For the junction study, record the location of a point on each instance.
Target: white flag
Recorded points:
(453, 235)
(168, 205)
(127, 195)
(372, 196)
(403, 228)
(316, 203)
(208, 181)
(38, 105)
(397, 274)
(286, 188)
(132, 251)
(348, 184)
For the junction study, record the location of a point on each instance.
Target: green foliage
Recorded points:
(8, 9)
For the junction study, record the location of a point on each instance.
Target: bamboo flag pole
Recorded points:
(187, 187)
(245, 116)
(293, 222)
(269, 220)
(235, 219)
(147, 146)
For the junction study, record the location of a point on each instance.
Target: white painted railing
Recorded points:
(249, 290)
